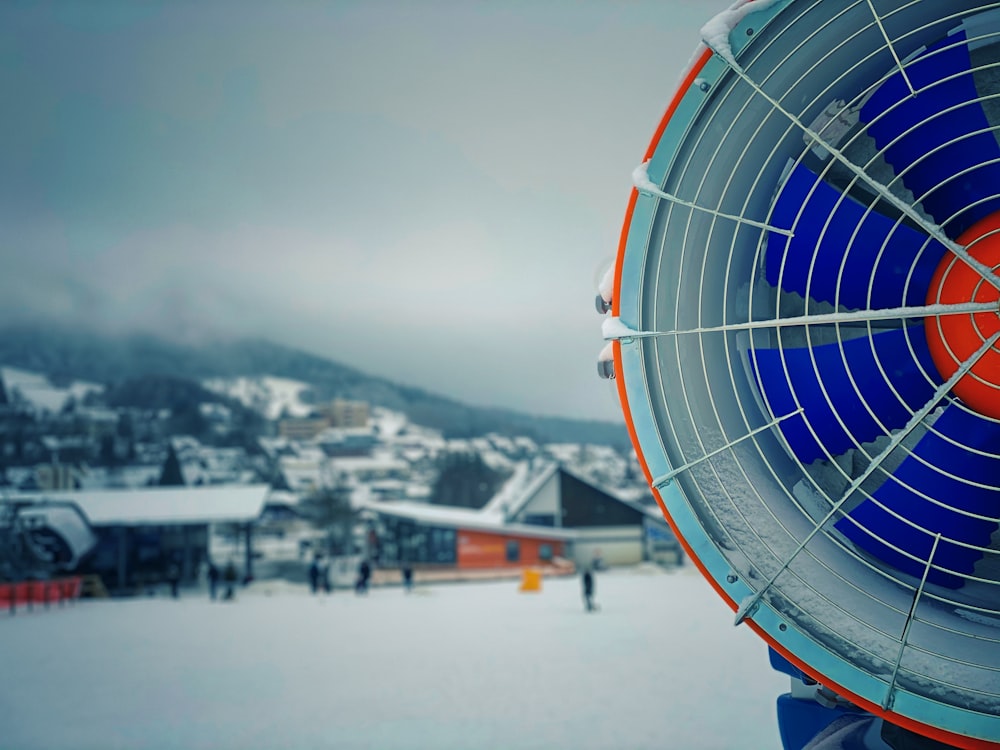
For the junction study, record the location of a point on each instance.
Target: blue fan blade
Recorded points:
(931, 139)
(827, 227)
(973, 432)
(856, 390)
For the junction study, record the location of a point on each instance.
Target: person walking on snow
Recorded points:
(364, 573)
(213, 580)
(229, 576)
(314, 574)
(174, 578)
(588, 590)
(324, 575)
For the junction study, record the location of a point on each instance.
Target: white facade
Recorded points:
(610, 545)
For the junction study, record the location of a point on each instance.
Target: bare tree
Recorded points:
(329, 510)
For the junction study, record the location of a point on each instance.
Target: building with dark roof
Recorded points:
(551, 513)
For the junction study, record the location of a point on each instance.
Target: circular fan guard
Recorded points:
(805, 320)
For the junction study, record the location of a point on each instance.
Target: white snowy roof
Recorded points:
(522, 485)
(563, 452)
(282, 497)
(377, 462)
(164, 505)
(389, 422)
(526, 482)
(464, 518)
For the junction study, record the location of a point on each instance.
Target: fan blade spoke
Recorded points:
(842, 255)
(939, 141)
(878, 525)
(850, 392)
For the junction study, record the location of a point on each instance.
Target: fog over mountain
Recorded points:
(65, 354)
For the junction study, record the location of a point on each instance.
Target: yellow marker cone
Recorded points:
(531, 580)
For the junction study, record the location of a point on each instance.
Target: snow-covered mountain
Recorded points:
(273, 397)
(36, 389)
(269, 373)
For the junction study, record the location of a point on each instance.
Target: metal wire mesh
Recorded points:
(779, 520)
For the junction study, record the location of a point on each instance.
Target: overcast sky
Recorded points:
(427, 191)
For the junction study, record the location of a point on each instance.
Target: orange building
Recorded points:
(463, 538)
(555, 514)
(480, 549)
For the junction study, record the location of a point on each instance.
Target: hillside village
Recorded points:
(63, 437)
(404, 491)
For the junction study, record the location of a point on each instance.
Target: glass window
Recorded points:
(545, 552)
(540, 519)
(513, 550)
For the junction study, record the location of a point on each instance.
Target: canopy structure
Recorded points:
(805, 321)
(158, 506)
(138, 531)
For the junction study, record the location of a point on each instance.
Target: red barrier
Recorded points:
(45, 593)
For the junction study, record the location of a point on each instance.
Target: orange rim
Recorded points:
(968, 743)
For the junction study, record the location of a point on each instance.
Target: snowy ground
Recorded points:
(448, 666)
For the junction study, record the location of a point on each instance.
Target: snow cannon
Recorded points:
(803, 324)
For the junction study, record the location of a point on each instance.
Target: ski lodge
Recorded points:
(556, 515)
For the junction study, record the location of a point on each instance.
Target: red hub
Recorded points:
(954, 338)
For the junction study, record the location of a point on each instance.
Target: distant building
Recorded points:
(303, 475)
(461, 538)
(553, 513)
(92, 422)
(280, 513)
(344, 413)
(302, 428)
(347, 441)
(606, 527)
(68, 448)
(370, 468)
(339, 413)
(57, 476)
(140, 532)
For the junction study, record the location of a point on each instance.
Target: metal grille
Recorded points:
(781, 278)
